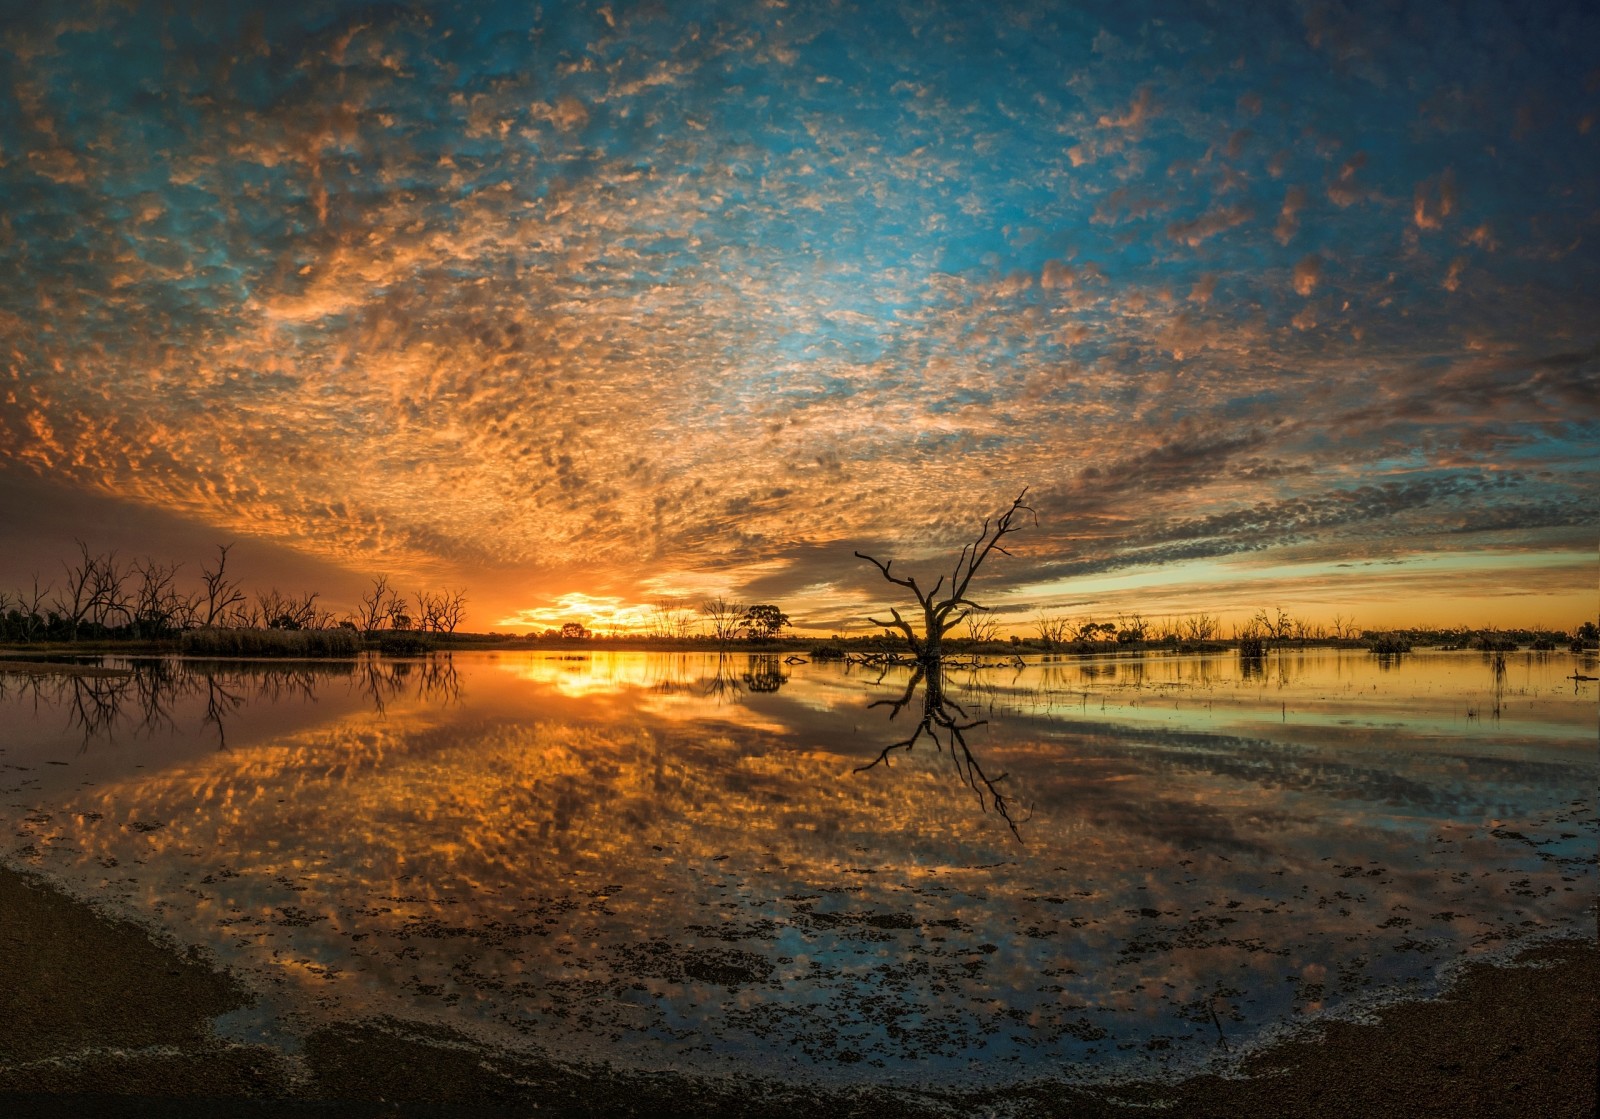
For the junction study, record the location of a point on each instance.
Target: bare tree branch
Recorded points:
(941, 615)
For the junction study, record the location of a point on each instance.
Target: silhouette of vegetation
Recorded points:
(941, 615)
(764, 622)
(214, 642)
(725, 617)
(765, 673)
(945, 723)
(1388, 644)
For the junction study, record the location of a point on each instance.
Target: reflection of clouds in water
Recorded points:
(601, 872)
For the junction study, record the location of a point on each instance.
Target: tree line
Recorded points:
(101, 596)
(719, 619)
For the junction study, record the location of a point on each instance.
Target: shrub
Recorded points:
(1388, 644)
(213, 642)
(404, 644)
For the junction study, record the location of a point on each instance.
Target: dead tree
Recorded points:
(158, 607)
(725, 618)
(222, 594)
(941, 615)
(29, 603)
(452, 608)
(377, 607)
(982, 628)
(76, 597)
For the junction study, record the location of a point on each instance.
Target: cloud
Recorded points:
(1346, 189)
(1307, 271)
(566, 306)
(1209, 224)
(1434, 201)
(1294, 200)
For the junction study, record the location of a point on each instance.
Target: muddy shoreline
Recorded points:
(99, 1019)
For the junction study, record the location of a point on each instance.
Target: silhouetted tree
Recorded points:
(221, 594)
(981, 627)
(670, 618)
(1053, 632)
(941, 615)
(725, 618)
(763, 622)
(158, 607)
(378, 607)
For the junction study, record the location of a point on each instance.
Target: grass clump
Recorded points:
(1388, 644)
(214, 642)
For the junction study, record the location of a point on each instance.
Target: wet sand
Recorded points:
(98, 1019)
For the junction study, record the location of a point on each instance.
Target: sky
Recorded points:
(580, 307)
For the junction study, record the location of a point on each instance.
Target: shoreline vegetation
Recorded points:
(339, 643)
(103, 604)
(105, 1020)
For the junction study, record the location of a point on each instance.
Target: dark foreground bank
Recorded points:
(96, 1019)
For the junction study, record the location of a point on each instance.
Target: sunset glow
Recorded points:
(590, 307)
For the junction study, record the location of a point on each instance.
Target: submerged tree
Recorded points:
(941, 615)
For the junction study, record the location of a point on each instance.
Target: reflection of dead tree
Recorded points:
(220, 702)
(941, 615)
(96, 704)
(942, 716)
(721, 684)
(380, 681)
(438, 681)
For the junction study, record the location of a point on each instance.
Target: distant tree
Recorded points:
(1130, 628)
(763, 622)
(671, 619)
(941, 615)
(110, 604)
(982, 627)
(1092, 633)
(574, 631)
(1588, 633)
(73, 601)
(158, 607)
(29, 601)
(725, 617)
(452, 609)
(220, 594)
(1052, 631)
(378, 607)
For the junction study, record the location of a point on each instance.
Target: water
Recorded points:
(1078, 868)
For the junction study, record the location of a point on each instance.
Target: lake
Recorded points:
(1081, 868)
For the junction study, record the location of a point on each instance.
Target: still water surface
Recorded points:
(1089, 867)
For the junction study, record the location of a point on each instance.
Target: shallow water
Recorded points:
(1090, 867)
